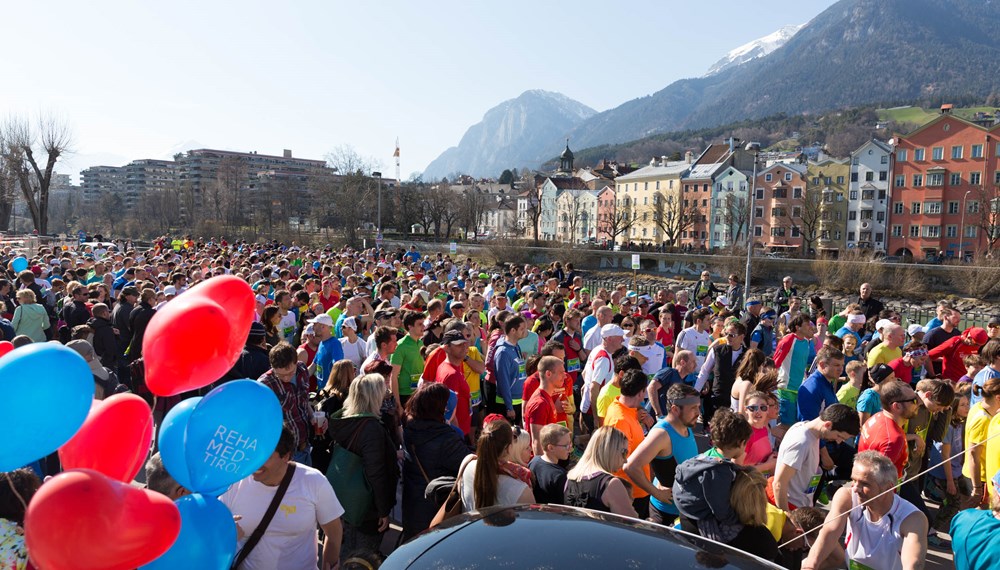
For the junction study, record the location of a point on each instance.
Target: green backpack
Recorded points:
(346, 474)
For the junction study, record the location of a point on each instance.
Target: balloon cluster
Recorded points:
(90, 516)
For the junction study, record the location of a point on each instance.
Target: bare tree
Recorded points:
(473, 208)
(987, 216)
(351, 192)
(673, 218)
(50, 138)
(810, 214)
(735, 211)
(618, 221)
(534, 210)
(8, 193)
(111, 206)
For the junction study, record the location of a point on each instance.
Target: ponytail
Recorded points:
(495, 439)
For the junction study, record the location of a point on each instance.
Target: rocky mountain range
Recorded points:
(855, 53)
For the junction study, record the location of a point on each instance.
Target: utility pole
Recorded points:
(755, 149)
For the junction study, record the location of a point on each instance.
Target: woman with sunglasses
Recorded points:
(591, 484)
(759, 453)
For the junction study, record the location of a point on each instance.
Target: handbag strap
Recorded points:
(258, 532)
(413, 452)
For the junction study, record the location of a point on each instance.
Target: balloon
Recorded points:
(19, 264)
(45, 394)
(83, 520)
(113, 440)
(227, 436)
(171, 442)
(5, 347)
(207, 539)
(217, 312)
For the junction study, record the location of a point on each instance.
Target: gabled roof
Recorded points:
(713, 154)
(795, 167)
(948, 117)
(573, 183)
(884, 147)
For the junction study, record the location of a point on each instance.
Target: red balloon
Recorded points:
(113, 440)
(5, 347)
(197, 337)
(83, 520)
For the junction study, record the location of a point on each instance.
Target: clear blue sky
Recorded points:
(135, 79)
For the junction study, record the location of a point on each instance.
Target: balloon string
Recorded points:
(10, 482)
(890, 490)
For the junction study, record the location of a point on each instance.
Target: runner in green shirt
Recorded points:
(407, 355)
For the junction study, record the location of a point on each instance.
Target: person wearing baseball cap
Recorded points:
(599, 370)
(762, 336)
(329, 351)
(451, 373)
(354, 347)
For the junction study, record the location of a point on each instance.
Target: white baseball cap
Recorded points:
(322, 319)
(610, 330)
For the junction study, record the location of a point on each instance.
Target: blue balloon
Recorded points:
(19, 264)
(46, 391)
(230, 434)
(171, 441)
(207, 539)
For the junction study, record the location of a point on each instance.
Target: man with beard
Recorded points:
(883, 432)
(669, 443)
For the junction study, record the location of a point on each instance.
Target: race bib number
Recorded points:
(702, 350)
(414, 381)
(573, 365)
(855, 565)
(477, 398)
(522, 370)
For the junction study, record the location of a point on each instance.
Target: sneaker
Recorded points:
(935, 540)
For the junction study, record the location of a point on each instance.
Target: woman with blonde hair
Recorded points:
(331, 401)
(358, 429)
(485, 481)
(30, 318)
(591, 483)
(750, 366)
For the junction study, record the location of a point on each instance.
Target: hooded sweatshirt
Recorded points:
(701, 490)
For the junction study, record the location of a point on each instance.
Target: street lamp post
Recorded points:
(378, 175)
(755, 149)
(961, 227)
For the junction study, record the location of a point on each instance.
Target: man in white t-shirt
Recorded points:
(288, 322)
(696, 338)
(290, 541)
(355, 348)
(598, 371)
(592, 339)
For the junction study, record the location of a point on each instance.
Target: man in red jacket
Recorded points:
(951, 352)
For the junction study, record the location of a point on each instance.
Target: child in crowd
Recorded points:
(946, 482)
(759, 453)
(848, 393)
(973, 364)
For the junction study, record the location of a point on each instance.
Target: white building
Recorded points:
(576, 215)
(868, 196)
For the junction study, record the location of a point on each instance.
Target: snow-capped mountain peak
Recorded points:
(757, 48)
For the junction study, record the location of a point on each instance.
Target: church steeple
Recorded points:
(566, 159)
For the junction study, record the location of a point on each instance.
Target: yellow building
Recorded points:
(639, 197)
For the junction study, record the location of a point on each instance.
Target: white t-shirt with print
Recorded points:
(291, 540)
(286, 326)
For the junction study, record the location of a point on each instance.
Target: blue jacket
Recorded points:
(329, 351)
(510, 383)
(815, 394)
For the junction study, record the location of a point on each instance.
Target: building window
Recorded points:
(788, 177)
(780, 192)
(977, 151)
(996, 175)
(936, 179)
(885, 159)
(855, 160)
(883, 175)
(778, 232)
(854, 194)
(852, 215)
(951, 231)
(758, 212)
(915, 208)
(869, 176)
(825, 234)
(854, 177)
(767, 177)
(975, 178)
(901, 155)
(837, 235)
(777, 212)
(840, 180)
(932, 207)
(914, 231)
(758, 231)
(918, 154)
(839, 216)
(932, 231)
(795, 232)
(956, 152)
(955, 179)
(840, 197)
(657, 184)
(879, 237)
(797, 192)
(867, 194)
(953, 207)
(918, 180)
(850, 236)
(796, 212)
(972, 207)
(759, 194)
(881, 195)
(897, 231)
(970, 231)
(937, 153)
(866, 214)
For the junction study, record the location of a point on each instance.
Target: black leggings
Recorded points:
(756, 540)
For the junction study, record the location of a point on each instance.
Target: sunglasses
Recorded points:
(731, 335)
(913, 399)
(758, 408)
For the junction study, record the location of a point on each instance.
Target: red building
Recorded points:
(944, 193)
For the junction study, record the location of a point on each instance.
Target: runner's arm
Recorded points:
(656, 444)
(706, 369)
(782, 477)
(914, 551)
(333, 533)
(653, 393)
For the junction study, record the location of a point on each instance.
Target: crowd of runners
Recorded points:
(830, 440)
